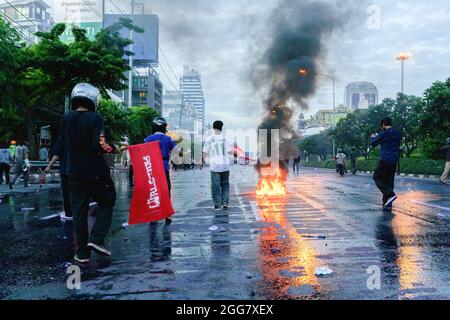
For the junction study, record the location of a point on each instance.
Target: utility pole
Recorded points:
(403, 57)
(130, 74)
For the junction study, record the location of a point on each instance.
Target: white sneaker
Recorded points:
(125, 225)
(390, 201)
(65, 218)
(80, 260)
(99, 249)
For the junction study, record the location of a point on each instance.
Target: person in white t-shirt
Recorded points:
(218, 150)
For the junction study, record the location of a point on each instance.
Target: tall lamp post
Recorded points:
(403, 57)
(304, 73)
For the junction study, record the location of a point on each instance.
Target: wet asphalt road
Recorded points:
(262, 249)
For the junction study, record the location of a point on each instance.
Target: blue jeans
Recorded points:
(220, 188)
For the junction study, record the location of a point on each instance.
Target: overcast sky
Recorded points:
(222, 38)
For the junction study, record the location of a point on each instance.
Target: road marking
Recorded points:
(255, 210)
(432, 205)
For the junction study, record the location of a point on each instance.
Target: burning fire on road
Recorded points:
(272, 185)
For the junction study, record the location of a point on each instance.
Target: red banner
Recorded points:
(151, 200)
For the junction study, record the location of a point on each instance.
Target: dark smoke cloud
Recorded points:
(299, 29)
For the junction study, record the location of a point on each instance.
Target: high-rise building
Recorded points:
(192, 89)
(361, 95)
(147, 89)
(180, 116)
(27, 17)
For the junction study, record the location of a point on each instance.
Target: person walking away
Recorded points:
(12, 149)
(5, 165)
(60, 154)
(341, 157)
(296, 163)
(130, 169)
(219, 150)
(384, 176)
(167, 144)
(446, 149)
(22, 164)
(353, 158)
(43, 154)
(83, 138)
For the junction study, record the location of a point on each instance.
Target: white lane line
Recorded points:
(255, 210)
(431, 205)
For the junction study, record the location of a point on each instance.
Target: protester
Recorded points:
(353, 158)
(446, 149)
(22, 164)
(129, 165)
(5, 165)
(83, 137)
(296, 165)
(43, 154)
(12, 148)
(384, 175)
(167, 144)
(219, 150)
(341, 157)
(60, 154)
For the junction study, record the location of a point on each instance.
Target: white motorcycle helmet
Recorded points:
(86, 94)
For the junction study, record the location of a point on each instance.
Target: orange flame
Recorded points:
(273, 185)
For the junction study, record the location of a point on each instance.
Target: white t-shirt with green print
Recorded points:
(218, 149)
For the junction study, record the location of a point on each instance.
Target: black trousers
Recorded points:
(384, 177)
(131, 176)
(66, 195)
(5, 168)
(169, 184)
(102, 191)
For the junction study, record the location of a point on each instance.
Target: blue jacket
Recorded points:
(167, 145)
(390, 145)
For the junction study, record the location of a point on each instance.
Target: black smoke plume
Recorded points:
(289, 68)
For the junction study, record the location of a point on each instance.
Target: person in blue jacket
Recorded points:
(384, 176)
(167, 144)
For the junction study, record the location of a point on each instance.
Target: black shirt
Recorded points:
(83, 137)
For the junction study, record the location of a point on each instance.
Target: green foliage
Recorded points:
(141, 119)
(407, 165)
(319, 144)
(117, 122)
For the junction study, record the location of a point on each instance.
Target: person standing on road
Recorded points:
(83, 137)
(60, 154)
(22, 164)
(341, 157)
(167, 144)
(353, 158)
(5, 165)
(384, 176)
(446, 150)
(219, 150)
(12, 149)
(296, 165)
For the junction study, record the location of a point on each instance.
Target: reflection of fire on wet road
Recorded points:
(288, 260)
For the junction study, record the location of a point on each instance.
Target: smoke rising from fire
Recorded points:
(289, 68)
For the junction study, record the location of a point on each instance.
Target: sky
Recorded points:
(224, 38)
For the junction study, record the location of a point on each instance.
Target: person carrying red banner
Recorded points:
(167, 144)
(83, 137)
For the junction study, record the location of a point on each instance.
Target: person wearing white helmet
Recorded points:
(83, 136)
(446, 150)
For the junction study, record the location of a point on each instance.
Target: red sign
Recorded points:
(151, 200)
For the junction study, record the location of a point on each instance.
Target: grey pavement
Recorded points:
(262, 248)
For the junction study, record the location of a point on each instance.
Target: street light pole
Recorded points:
(403, 57)
(130, 74)
(334, 106)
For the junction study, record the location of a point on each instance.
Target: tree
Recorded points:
(50, 69)
(10, 50)
(435, 118)
(141, 119)
(319, 144)
(117, 120)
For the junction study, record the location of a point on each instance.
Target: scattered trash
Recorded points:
(440, 215)
(125, 225)
(249, 275)
(275, 250)
(27, 209)
(323, 271)
(214, 228)
(321, 237)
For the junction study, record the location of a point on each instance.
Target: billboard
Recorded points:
(86, 14)
(146, 45)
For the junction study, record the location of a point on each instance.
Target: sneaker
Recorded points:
(101, 250)
(81, 260)
(443, 182)
(217, 208)
(390, 201)
(168, 221)
(225, 206)
(387, 209)
(65, 218)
